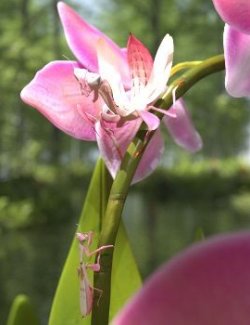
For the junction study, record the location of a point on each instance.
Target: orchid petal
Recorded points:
(56, 93)
(113, 139)
(237, 60)
(150, 158)
(208, 283)
(82, 38)
(164, 58)
(150, 119)
(181, 128)
(235, 13)
(108, 72)
(161, 69)
(140, 63)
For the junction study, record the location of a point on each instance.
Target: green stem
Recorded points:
(119, 189)
(191, 77)
(183, 65)
(117, 197)
(105, 183)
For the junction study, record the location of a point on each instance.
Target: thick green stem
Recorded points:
(119, 189)
(111, 222)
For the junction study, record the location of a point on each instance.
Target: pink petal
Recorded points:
(235, 13)
(150, 119)
(113, 139)
(140, 63)
(207, 284)
(56, 93)
(181, 128)
(237, 60)
(82, 39)
(150, 158)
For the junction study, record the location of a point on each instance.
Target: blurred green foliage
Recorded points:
(53, 195)
(47, 195)
(166, 211)
(22, 312)
(162, 215)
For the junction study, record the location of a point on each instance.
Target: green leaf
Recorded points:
(126, 279)
(66, 306)
(22, 312)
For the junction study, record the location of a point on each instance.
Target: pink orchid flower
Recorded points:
(108, 92)
(207, 284)
(236, 13)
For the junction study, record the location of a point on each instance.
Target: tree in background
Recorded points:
(30, 37)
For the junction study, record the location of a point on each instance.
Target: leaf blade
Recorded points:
(123, 285)
(66, 305)
(22, 312)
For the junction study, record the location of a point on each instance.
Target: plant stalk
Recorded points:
(120, 187)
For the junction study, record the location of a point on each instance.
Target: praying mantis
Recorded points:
(86, 289)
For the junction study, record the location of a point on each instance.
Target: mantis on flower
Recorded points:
(86, 289)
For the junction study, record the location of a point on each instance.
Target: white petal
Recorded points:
(161, 69)
(107, 70)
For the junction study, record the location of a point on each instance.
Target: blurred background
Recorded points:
(44, 173)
